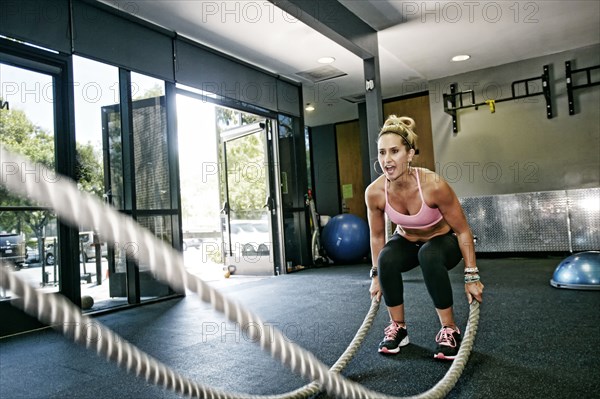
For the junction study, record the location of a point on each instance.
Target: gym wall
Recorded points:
(528, 183)
(518, 149)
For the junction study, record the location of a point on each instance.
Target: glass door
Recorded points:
(250, 214)
(138, 181)
(34, 123)
(28, 233)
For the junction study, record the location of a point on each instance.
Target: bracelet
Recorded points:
(471, 278)
(471, 270)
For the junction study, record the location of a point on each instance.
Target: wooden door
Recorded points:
(352, 188)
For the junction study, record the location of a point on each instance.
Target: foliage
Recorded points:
(154, 92)
(20, 135)
(88, 170)
(246, 168)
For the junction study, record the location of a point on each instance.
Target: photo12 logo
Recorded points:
(471, 11)
(43, 92)
(234, 332)
(489, 172)
(20, 171)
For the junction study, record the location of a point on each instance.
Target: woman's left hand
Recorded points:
(374, 290)
(474, 291)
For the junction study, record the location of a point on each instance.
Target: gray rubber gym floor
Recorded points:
(534, 341)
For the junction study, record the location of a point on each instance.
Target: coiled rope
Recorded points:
(82, 209)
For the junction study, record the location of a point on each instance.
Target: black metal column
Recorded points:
(374, 114)
(65, 150)
(129, 203)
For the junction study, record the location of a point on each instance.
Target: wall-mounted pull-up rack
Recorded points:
(453, 101)
(572, 87)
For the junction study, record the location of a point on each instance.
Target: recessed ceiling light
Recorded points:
(309, 107)
(326, 60)
(462, 57)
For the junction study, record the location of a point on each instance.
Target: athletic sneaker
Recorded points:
(448, 340)
(395, 337)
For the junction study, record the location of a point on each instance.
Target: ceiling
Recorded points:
(416, 40)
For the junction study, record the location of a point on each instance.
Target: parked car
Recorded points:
(33, 255)
(250, 237)
(87, 249)
(12, 249)
(192, 242)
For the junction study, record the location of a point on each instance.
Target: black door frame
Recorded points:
(273, 199)
(60, 68)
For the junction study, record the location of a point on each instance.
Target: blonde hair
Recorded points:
(402, 126)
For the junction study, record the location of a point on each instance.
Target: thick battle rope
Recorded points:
(59, 313)
(82, 209)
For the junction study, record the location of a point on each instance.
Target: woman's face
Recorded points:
(393, 156)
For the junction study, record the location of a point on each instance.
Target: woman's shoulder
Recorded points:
(376, 188)
(432, 182)
(377, 184)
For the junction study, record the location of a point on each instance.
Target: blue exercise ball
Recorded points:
(346, 238)
(580, 271)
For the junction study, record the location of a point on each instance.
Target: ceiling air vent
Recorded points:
(355, 99)
(322, 73)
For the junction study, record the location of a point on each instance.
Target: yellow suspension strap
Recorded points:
(492, 105)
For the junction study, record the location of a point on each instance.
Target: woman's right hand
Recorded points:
(374, 290)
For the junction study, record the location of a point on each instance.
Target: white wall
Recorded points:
(517, 149)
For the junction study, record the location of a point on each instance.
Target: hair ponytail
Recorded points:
(402, 126)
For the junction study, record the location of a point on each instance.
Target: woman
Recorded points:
(432, 232)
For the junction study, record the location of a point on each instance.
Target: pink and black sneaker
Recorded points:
(396, 336)
(448, 340)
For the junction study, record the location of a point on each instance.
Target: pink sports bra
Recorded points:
(426, 217)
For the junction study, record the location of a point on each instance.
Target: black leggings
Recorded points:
(435, 257)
